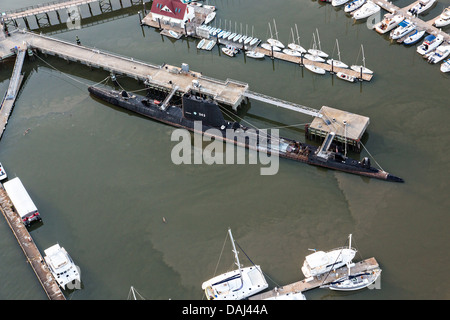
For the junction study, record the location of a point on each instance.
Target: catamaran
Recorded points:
(238, 284)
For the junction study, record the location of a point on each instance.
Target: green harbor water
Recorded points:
(104, 181)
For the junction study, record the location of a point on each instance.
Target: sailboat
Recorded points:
(316, 51)
(237, 284)
(321, 262)
(362, 68)
(272, 41)
(133, 294)
(337, 63)
(315, 69)
(293, 45)
(352, 282)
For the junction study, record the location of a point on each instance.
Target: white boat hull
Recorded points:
(314, 58)
(361, 69)
(421, 7)
(352, 6)
(428, 46)
(337, 63)
(345, 77)
(255, 55)
(269, 47)
(292, 52)
(317, 52)
(356, 282)
(445, 67)
(414, 37)
(439, 54)
(219, 288)
(366, 10)
(315, 69)
(402, 30)
(296, 47)
(275, 43)
(388, 24)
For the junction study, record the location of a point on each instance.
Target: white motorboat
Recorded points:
(62, 267)
(237, 284)
(337, 3)
(353, 282)
(210, 17)
(270, 47)
(315, 69)
(292, 52)
(313, 57)
(421, 7)
(439, 54)
(403, 28)
(430, 43)
(444, 19)
(368, 9)
(321, 262)
(337, 63)
(3, 174)
(415, 37)
(201, 44)
(445, 67)
(345, 76)
(229, 51)
(352, 6)
(255, 55)
(293, 45)
(389, 22)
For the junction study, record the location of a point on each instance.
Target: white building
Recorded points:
(172, 12)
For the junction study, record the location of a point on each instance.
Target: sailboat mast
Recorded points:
(298, 37)
(275, 26)
(235, 252)
(364, 58)
(350, 241)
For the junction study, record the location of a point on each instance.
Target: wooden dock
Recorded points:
(421, 24)
(29, 248)
(316, 282)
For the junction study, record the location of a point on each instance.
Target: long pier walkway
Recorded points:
(29, 248)
(13, 89)
(44, 8)
(164, 77)
(303, 285)
(421, 24)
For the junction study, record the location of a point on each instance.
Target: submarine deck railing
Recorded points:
(29, 248)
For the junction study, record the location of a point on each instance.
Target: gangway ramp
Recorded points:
(282, 103)
(13, 89)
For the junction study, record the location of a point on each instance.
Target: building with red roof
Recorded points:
(172, 12)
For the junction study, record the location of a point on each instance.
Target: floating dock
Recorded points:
(29, 248)
(316, 282)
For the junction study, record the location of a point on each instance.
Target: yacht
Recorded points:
(430, 43)
(336, 3)
(352, 6)
(389, 22)
(403, 28)
(444, 18)
(445, 67)
(439, 54)
(366, 10)
(320, 262)
(61, 266)
(415, 37)
(237, 284)
(421, 7)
